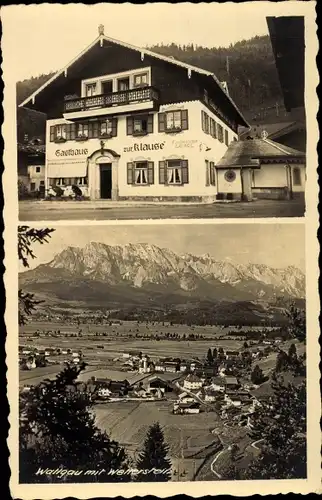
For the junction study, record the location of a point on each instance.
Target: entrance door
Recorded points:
(106, 181)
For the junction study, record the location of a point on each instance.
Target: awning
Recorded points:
(58, 169)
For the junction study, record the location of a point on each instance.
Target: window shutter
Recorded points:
(95, 129)
(226, 137)
(150, 172)
(203, 120)
(150, 124)
(114, 127)
(72, 131)
(206, 123)
(207, 173)
(215, 129)
(184, 119)
(162, 172)
(130, 176)
(212, 174)
(52, 133)
(68, 132)
(161, 121)
(129, 125)
(90, 130)
(185, 171)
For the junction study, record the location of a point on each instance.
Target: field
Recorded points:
(187, 435)
(118, 340)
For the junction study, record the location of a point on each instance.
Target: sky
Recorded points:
(276, 245)
(46, 37)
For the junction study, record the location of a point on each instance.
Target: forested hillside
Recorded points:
(247, 66)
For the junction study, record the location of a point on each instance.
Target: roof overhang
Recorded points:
(104, 39)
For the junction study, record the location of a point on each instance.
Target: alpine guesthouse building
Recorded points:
(125, 123)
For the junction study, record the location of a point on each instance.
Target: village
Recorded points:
(226, 382)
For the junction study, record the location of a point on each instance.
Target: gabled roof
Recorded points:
(250, 152)
(102, 38)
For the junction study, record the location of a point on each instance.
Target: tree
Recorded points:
(154, 456)
(292, 355)
(281, 361)
(214, 353)
(26, 237)
(280, 423)
(232, 470)
(257, 376)
(297, 323)
(245, 345)
(57, 430)
(210, 358)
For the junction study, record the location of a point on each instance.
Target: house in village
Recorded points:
(240, 398)
(31, 127)
(145, 365)
(126, 123)
(185, 397)
(171, 366)
(231, 383)
(192, 382)
(218, 384)
(186, 408)
(157, 383)
(210, 394)
(232, 354)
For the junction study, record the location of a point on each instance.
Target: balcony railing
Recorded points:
(121, 98)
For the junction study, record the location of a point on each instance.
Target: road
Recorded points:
(32, 211)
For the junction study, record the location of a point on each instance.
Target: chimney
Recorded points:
(101, 30)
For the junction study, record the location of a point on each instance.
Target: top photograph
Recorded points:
(150, 119)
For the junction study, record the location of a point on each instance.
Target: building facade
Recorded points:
(262, 168)
(125, 123)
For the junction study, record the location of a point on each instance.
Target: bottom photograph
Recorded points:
(162, 352)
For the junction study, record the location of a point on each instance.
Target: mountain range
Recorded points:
(147, 276)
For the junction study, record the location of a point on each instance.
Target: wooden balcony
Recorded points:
(114, 102)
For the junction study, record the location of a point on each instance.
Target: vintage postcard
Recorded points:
(161, 190)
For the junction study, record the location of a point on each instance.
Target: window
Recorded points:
(297, 181)
(82, 131)
(123, 84)
(226, 138)
(210, 173)
(220, 133)
(42, 183)
(140, 80)
(106, 128)
(37, 170)
(32, 186)
(139, 125)
(140, 173)
(61, 181)
(81, 181)
(90, 89)
(60, 132)
(173, 121)
(173, 172)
